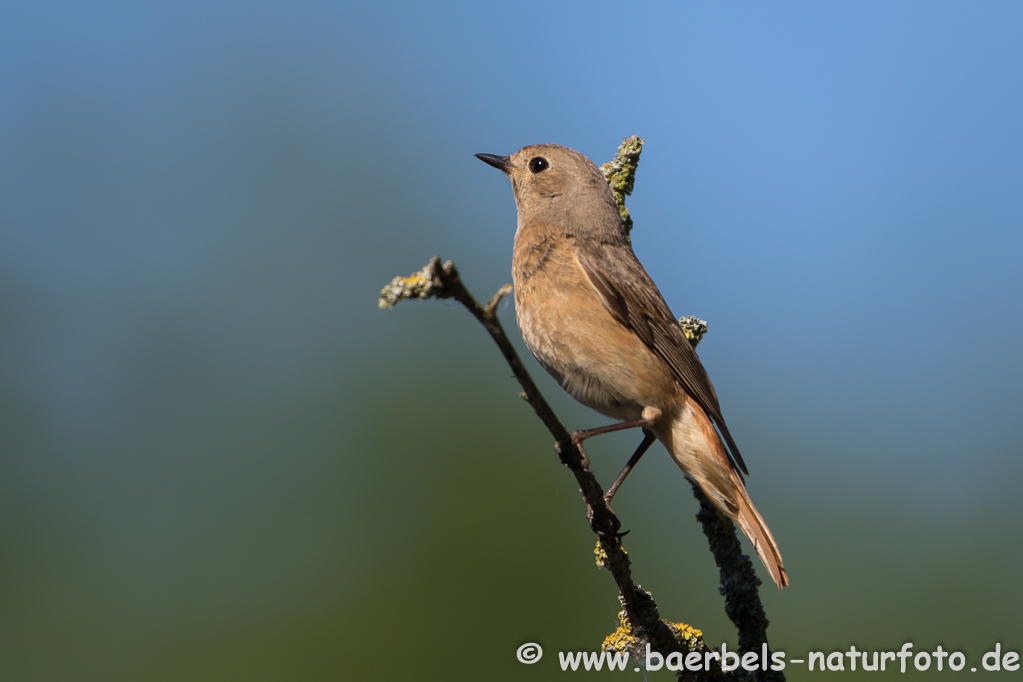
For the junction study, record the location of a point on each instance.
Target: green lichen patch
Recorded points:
(620, 173)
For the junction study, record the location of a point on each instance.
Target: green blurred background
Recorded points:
(220, 461)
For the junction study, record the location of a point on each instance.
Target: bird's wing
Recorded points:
(633, 299)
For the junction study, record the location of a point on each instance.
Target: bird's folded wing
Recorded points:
(633, 299)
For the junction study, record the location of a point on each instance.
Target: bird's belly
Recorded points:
(598, 361)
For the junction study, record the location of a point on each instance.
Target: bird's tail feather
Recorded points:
(695, 446)
(752, 524)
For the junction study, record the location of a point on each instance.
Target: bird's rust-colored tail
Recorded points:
(696, 447)
(752, 524)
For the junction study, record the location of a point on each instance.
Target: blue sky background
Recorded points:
(219, 460)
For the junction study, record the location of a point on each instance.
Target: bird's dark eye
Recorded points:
(538, 164)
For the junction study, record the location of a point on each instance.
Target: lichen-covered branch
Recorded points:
(640, 623)
(739, 582)
(694, 328)
(620, 173)
(438, 280)
(639, 611)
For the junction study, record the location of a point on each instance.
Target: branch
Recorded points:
(640, 620)
(640, 623)
(739, 582)
(620, 173)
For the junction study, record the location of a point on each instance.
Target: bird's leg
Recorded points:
(650, 416)
(648, 439)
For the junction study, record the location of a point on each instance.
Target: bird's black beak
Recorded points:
(501, 163)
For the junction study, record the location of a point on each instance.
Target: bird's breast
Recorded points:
(564, 323)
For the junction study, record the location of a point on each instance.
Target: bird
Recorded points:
(594, 319)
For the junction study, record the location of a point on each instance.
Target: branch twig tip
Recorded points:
(430, 282)
(620, 173)
(694, 328)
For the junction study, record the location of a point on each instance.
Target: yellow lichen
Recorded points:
(602, 555)
(621, 639)
(417, 285)
(686, 633)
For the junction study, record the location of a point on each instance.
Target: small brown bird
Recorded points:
(589, 312)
